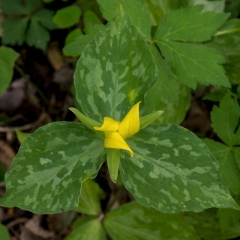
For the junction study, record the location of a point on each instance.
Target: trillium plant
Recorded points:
(118, 82)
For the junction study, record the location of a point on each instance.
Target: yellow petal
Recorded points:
(131, 123)
(115, 140)
(109, 124)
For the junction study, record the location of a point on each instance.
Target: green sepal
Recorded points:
(113, 160)
(148, 119)
(87, 121)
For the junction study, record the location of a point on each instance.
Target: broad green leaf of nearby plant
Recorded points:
(212, 6)
(123, 71)
(16, 7)
(4, 235)
(133, 221)
(76, 47)
(233, 7)
(67, 17)
(32, 5)
(225, 120)
(160, 8)
(44, 16)
(108, 8)
(192, 62)
(172, 113)
(52, 163)
(90, 19)
(87, 228)
(37, 35)
(139, 16)
(89, 200)
(7, 58)
(227, 162)
(22, 136)
(173, 158)
(227, 40)
(207, 226)
(228, 218)
(14, 32)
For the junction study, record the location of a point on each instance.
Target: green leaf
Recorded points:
(36, 35)
(225, 119)
(233, 7)
(32, 5)
(108, 8)
(76, 47)
(173, 171)
(212, 6)
(228, 218)
(190, 24)
(114, 71)
(7, 58)
(67, 17)
(4, 235)
(133, 221)
(47, 173)
(15, 8)
(236, 155)
(192, 62)
(21, 136)
(171, 113)
(227, 163)
(166, 86)
(90, 19)
(216, 96)
(139, 15)
(89, 200)
(227, 40)
(87, 228)
(207, 226)
(160, 8)
(14, 30)
(44, 16)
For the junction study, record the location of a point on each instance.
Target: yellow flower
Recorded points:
(116, 132)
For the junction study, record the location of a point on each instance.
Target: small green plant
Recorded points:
(27, 22)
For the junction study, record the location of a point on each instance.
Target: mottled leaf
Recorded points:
(89, 200)
(227, 163)
(212, 6)
(14, 30)
(114, 71)
(87, 228)
(225, 119)
(172, 113)
(47, 173)
(108, 8)
(7, 58)
(160, 8)
(189, 61)
(4, 235)
(67, 17)
(36, 35)
(135, 222)
(139, 15)
(172, 170)
(207, 226)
